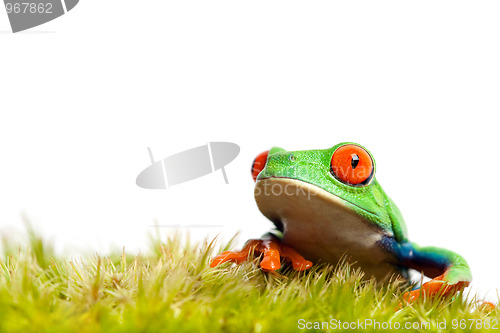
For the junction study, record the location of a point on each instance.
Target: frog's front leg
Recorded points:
(272, 250)
(449, 271)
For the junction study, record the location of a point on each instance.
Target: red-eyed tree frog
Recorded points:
(327, 204)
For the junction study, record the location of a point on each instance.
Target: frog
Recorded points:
(327, 206)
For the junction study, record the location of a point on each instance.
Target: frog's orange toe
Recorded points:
(226, 256)
(271, 261)
(272, 256)
(298, 261)
(235, 256)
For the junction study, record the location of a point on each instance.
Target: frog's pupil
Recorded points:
(354, 160)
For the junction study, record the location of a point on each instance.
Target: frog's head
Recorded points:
(343, 175)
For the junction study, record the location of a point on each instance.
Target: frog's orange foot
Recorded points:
(487, 307)
(435, 287)
(272, 251)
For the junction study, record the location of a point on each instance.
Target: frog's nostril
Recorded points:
(258, 164)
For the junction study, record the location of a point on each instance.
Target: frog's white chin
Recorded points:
(321, 226)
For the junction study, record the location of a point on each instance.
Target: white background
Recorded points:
(83, 96)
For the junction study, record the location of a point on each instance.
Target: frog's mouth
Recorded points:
(277, 191)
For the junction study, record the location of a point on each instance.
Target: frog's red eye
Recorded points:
(352, 165)
(258, 164)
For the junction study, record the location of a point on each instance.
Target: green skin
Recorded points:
(372, 203)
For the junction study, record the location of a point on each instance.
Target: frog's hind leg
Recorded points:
(449, 271)
(272, 251)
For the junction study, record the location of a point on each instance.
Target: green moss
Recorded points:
(173, 289)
